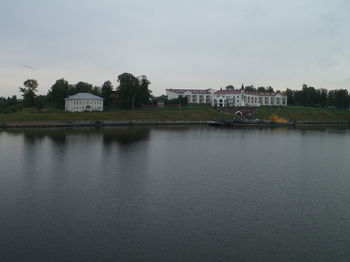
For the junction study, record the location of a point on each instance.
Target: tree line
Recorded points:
(251, 88)
(318, 97)
(131, 92)
(309, 96)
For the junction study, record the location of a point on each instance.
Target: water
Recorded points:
(175, 194)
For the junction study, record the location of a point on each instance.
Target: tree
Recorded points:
(290, 96)
(41, 102)
(323, 96)
(107, 93)
(129, 92)
(58, 92)
(309, 96)
(230, 87)
(250, 88)
(269, 89)
(144, 92)
(96, 91)
(341, 98)
(261, 89)
(29, 92)
(82, 87)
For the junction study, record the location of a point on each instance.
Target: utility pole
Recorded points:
(133, 102)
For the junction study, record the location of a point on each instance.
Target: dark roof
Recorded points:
(84, 96)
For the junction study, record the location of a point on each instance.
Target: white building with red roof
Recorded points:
(229, 97)
(194, 96)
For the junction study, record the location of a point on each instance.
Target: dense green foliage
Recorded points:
(252, 88)
(58, 92)
(310, 96)
(132, 91)
(29, 92)
(107, 94)
(9, 105)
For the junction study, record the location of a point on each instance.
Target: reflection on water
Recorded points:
(175, 194)
(122, 136)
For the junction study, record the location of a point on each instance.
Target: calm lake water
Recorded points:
(175, 194)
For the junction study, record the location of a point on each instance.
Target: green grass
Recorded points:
(200, 112)
(304, 113)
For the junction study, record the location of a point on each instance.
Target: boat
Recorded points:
(273, 121)
(224, 123)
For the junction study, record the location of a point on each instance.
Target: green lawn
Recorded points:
(200, 112)
(303, 113)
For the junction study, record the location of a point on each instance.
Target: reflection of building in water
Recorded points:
(82, 102)
(229, 98)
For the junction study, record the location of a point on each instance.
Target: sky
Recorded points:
(176, 43)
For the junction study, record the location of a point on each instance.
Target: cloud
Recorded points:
(189, 44)
(26, 66)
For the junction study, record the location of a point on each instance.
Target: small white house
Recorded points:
(82, 102)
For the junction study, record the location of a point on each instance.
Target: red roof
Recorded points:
(193, 91)
(260, 93)
(228, 92)
(224, 92)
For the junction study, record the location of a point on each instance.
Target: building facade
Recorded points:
(229, 98)
(194, 96)
(83, 102)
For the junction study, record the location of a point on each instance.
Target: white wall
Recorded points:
(171, 95)
(79, 105)
(238, 101)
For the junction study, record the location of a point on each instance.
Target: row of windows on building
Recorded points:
(200, 98)
(84, 108)
(87, 102)
(260, 100)
(251, 99)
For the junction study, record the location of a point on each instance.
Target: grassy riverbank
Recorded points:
(189, 113)
(304, 113)
(195, 113)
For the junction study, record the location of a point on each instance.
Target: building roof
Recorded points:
(260, 93)
(230, 91)
(227, 92)
(223, 92)
(84, 96)
(193, 91)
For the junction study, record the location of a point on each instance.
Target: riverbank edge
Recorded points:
(52, 124)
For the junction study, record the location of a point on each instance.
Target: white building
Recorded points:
(194, 96)
(229, 98)
(82, 102)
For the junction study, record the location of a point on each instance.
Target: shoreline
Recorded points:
(69, 124)
(53, 124)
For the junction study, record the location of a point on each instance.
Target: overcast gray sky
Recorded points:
(176, 43)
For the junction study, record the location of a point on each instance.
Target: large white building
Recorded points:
(82, 102)
(229, 98)
(194, 96)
